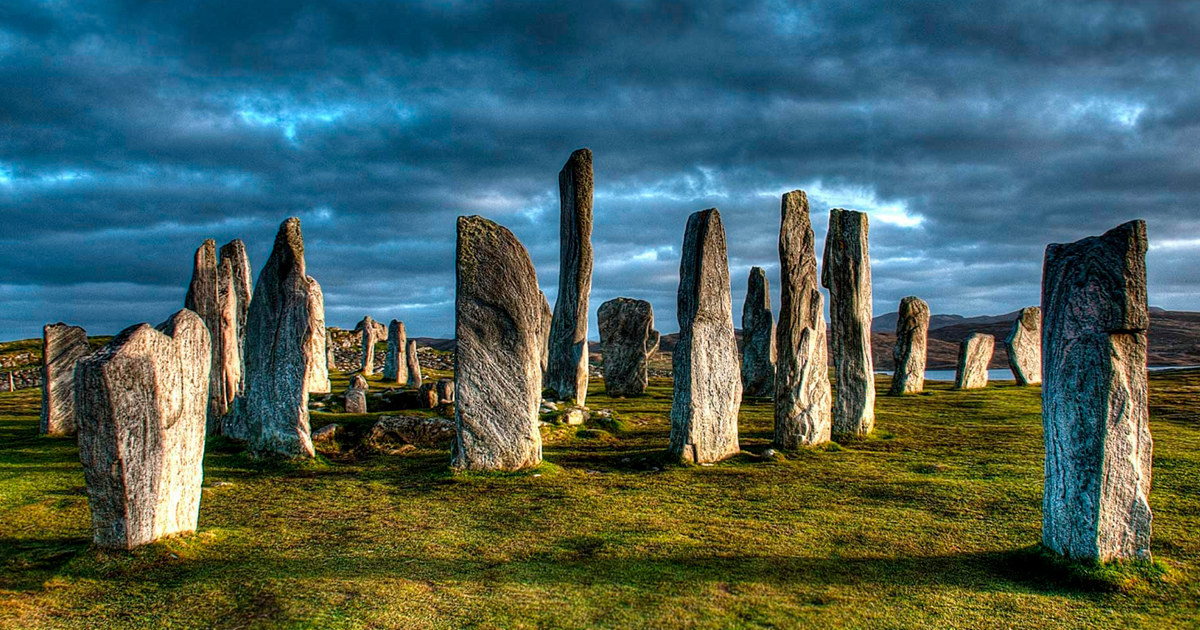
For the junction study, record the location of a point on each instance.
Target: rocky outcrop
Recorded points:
(758, 337)
(912, 342)
(567, 367)
(1095, 411)
(708, 386)
(62, 347)
(627, 341)
(142, 405)
(803, 398)
(846, 272)
(974, 354)
(498, 323)
(414, 364)
(397, 345)
(1024, 346)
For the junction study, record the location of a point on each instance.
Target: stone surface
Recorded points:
(708, 386)
(395, 359)
(803, 397)
(358, 382)
(846, 272)
(1095, 411)
(414, 364)
(974, 354)
(369, 337)
(317, 370)
(912, 342)
(758, 337)
(419, 431)
(544, 334)
(62, 347)
(330, 352)
(326, 434)
(627, 341)
(273, 414)
(142, 404)
(202, 298)
(445, 391)
(498, 326)
(1024, 346)
(234, 254)
(575, 416)
(567, 367)
(227, 358)
(381, 331)
(356, 400)
(427, 396)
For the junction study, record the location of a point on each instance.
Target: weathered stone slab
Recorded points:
(803, 398)
(395, 359)
(1094, 397)
(758, 337)
(974, 354)
(1024, 346)
(567, 369)
(62, 347)
(142, 404)
(317, 374)
(708, 386)
(627, 341)
(498, 323)
(356, 395)
(912, 344)
(369, 338)
(414, 364)
(846, 272)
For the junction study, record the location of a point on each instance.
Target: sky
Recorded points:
(973, 134)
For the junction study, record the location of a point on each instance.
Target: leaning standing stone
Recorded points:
(974, 354)
(802, 392)
(498, 322)
(414, 364)
(912, 339)
(846, 272)
(369, 338)
(758, 337)
(62, 347)
(395, 358)
(142, 402)
(627, 341)
(567, 370)
(1094, 400)
(708, 387)
(1024, 346)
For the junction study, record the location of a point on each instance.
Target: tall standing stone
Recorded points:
(758, 337)
(544, 335)
(912, 342)
(279, 350)
(414, 364)
(227, 358)
(1024, 346)
(369, 338)
(317, 375)
(846, 272)
(395, 359)
(974, 354)
(567, 370)
(330, 354)
(62, 347)
(202, 298)
(802, 394)
(498, 322)
(243, 285)
(142, 402)
(708, 386)
(627, 341)
(1094, 398)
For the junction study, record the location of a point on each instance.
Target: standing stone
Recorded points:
(708, 388)
(974, 354)
(202, 299)
(1024, 346)
(330, 355)
(427, 396)
(497, 328)
(1094, 398)
(235, 252)
(846, 272)
(369, 338)
(142, 402)
(912, 340)
(544, 335)
(567, 370)
(62, 347)
(395, 358)
(758, 337)
(279, 350)
(356, 395)
(317, 375)
(414, 364)
(445, 391)
(12, 386)
(227, 359)
(802, 394)
(627, 341)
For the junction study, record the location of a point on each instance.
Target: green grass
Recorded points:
(933, 522)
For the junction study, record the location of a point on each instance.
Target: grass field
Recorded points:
(931, 523)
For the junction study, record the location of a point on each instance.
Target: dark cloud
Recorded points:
(972, 133)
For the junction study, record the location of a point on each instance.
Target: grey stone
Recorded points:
(414, 364)
(419, 431)
(627, 341)
(803, 397)
(445, 391)
(1024, 346)
(498, 323)
(370, 336)
(317, 374)
(395, 358)
(242, 285)
(227, 358)
(544, 335)
(202, 298)
(358, 382)
(330, 354)
(974, 354)
(708, 386)
(356, 400)
(62, 348)
(912, 346)
(326, 435)
(575, 416)
(846, 272)
(758, 337)
(567, 367)
(1095, 410)
(142, 405)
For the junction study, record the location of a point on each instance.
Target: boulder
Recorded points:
(846, 272)
(395, 358)
(974, 354)
(912, 340)
(418, 431)
(62, 347)
(1024, 346)
(445, 391)
(758, 337)
(567, 367)
(627, 341)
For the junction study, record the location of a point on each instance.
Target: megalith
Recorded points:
(227, 358)
(498, 322)
(62, 347)
(567, 367)
(974, 355)
(203, 299)
(758, 337)
(627, 341)
(445, 391)
(1024, 346)
(242, 285)
(544, 335)
(142, 403)
(803, 398)
(708, 386)
(369, 338)
(846, 272)
(414, 364)
(356, 395)
(1095, 410)
(912, 341)
(395, 359)
(317, 371)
